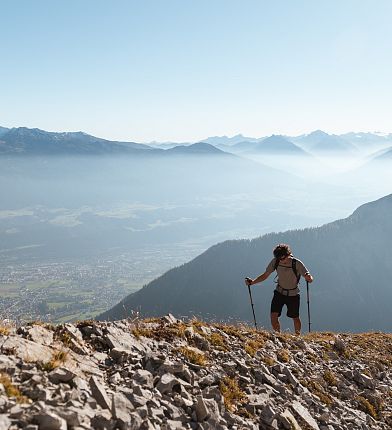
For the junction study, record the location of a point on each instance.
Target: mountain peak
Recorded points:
(196, 148)
(318, 133)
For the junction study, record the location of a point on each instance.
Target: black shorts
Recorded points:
(292, 303)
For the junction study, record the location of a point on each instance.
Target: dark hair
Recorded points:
(282, 250)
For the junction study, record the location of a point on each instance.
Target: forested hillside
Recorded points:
(349, 259)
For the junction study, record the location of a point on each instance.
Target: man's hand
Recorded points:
(248, 281)
(309, 278)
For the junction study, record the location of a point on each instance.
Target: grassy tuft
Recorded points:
(4, 331)
(252, 346)
(162, 332)
(283, 355)
(193, 356)
(11, 390)
(269, 361)
(58, 358)
(232, 394)
(232, 330)
(218, 341)
(316, 388)
(142, 332)
(366, 406)
(330, 378)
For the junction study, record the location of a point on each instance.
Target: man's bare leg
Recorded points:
(275, 321)
(297, 325)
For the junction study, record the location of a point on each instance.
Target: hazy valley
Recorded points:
(101, 219)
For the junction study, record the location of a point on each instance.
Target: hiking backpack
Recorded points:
(293, 266)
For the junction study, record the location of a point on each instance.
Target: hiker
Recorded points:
(289, 271)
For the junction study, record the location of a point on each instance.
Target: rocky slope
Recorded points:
(169, 374)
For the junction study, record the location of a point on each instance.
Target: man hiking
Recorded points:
(289, 271)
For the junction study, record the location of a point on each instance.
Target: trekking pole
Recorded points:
(253, 309)
(307, 291)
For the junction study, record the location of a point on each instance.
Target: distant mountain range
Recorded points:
(26, 141)
(349, 259)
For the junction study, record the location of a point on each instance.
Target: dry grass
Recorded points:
(367, 407)
(11, 390)
(193, 356)
(283, 355)
(269, 361)
(58, 358)
(217, 341)
(330, 378)
(4, 331)
(252, 346)
(317, 389)
(231, 330)
(139, 332)
(43, 324)
(232, 394)
(167, 332)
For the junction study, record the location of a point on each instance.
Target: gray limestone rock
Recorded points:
(121, 407)
(304, 414)
(288, 421)
(48, 420)
(26, 350)
(117, 338)
(99, 393)
(5, 422)
(201, 342)
(119, 355)
(39, 334)
(60, 374)
(201, 410)
(364, 380)
(103, 421)
(168, 383)
(170, 319)
(143, 377)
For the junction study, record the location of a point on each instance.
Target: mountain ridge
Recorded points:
(175, 374)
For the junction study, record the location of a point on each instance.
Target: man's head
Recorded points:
(282, 251)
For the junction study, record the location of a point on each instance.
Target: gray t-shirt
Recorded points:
(286, 276)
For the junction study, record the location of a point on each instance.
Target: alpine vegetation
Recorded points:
(167, 374)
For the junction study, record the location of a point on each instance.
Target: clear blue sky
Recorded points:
(183, 70)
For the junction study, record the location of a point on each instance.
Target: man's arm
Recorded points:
(260, 278)
(304, 271)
